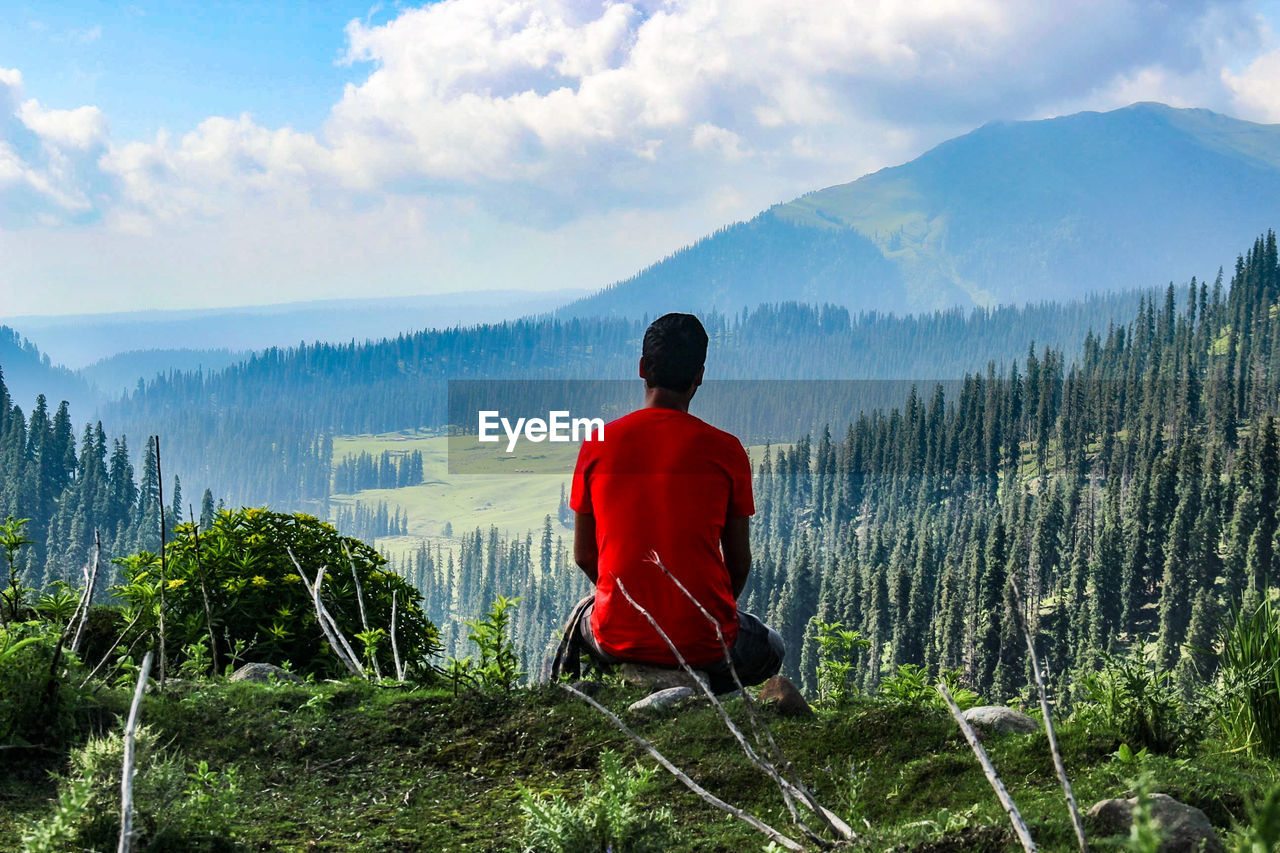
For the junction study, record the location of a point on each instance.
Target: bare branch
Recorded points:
(395, 649)
(1058, 764)
(87, 600)
(760, 728)
(126, 773)
(204, 590)
(112, 648)
(1019, 825)
(163, 563)
(330, 628)
(377, 670)
(782, 840)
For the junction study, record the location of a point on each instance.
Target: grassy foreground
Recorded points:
(350, 766)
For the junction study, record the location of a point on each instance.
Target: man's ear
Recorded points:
(642, 376)
(697, 379)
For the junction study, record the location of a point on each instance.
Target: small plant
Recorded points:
(606, 818)
(174, 809)
(1262, 834)
(910, 685)
(58, 603)
(196, 659)
(1134, 700)
(1247, 695)
(13, 540)
(1145, 835)
(1126, 755)
(837, 649)
(499, 665)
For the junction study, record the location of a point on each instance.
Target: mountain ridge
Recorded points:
(1011, 212)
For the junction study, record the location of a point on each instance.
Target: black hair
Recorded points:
(675, 348)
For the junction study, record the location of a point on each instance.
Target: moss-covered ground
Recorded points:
(349, 766)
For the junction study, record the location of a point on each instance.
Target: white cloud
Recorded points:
(556, 116)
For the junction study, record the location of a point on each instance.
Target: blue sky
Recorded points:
(204, 154)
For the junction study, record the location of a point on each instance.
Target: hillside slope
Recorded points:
(1010, 213)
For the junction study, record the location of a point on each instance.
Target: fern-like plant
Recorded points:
(607, 817)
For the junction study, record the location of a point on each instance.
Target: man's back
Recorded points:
(662, 481)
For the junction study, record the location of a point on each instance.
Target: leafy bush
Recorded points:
(256, 596)
(911, 685)
(174, 809)
(1262, 833)
(1137, 702)
(837, 650)
(607, 818)
(35, 707)
(1247, 698)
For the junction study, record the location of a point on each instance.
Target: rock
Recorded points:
(1186, 828)
(589, 688)
(654, 678)
(263, 673)
(997, 719)
(662, 700)
(784, 697)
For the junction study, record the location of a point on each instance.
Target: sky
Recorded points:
(197, 155)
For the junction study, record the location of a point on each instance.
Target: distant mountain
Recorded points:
(1010, 213)
(28, 373)
(79, 340)
(122, 372)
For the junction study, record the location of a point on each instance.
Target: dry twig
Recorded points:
(1058, 764)
(1019, 825)
(782, 840)
(126, 773)
(759, 727)
(330, 628)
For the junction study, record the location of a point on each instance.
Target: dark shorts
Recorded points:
(757, 653)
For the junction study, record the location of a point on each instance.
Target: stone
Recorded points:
(263, 673)
(998, 719)
(662, 700)
(784, 697)
(1186, 828)
(654, 678)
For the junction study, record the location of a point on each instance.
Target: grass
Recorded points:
(349, 766)
(512, 502)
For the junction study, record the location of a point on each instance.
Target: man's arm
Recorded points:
(584, 544)
(735, 543)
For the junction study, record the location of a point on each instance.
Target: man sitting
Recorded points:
(662, 481)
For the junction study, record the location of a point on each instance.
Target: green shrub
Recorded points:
(498, 669)
(257, 597)
(607, 818)
(838, 647)
(1247, 695)
(175, 809)
(35, 707)
(1134, 700)
(911, 686)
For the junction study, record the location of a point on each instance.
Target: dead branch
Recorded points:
(1058, 764)
(163, 563)
(87, 600)
(377, 670)
(395, 649)
(126, 774)
(112, 648)
(767, 768)
(1019, 825)
(330, 628)
(708, 797)
(204, 591)
(760, 729)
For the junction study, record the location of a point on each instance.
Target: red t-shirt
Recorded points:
(664, 481)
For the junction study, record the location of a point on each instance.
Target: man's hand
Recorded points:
(585, 553)
(735, 544)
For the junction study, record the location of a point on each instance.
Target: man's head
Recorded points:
(674, 351)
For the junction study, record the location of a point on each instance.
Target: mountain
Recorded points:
(27, 373)
(119, 373)
(1010, 213)
(79, 340)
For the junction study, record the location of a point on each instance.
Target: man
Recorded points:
(662, 481)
